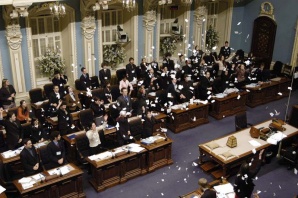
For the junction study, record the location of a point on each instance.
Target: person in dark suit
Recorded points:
(85, 79)
(173, 93)
(187, 68)
(225, 50)
(14, 130)
(107, 97)
(29, 158)
(124, 101)
(104, 74)
(60, 81)
(65, 124)
(154, 66)
(167, 62)
(244, 186)
(123, 130)
(148, 125)
(97, 106)
(56, 151)
(38, 134)
(55, 101)
(7, 95)
(205, 188)
(143, 68)
(131, 72)
(204, 87)
(187, 89)
(72, 100)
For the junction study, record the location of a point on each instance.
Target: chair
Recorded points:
(97, 93)
(48, 89)
(3, 146)
(277, 69)
(14, 110)
(43, 157)
(241, 121)
(86, 117)
(26, 130)
(294, 116)
(290, 155)
(82, 148)
(36, 95)
(8, 185)
(287, 71)
(94, 82)
(115, 92)
(120, 73)
(136, 127)
(79, 86)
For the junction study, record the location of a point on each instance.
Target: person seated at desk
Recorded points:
(72, 100)
(187, 68)
(60, 81)
(65, 124)
(29, 158)
(204, 187)
(107, 93)
(262, 74)
(93, 136)
(241, 76)
(97, 106)
(220, 84)
(55, 101)
(148, 124)
(85, 79)
(143, 68)
(124, 83)
(142, 100)
(167, 62)
(123, 131)
(23, 112)
(104, 74)
(187, 90)
(38, 134)
(173, 93)
(56, 151)
(124, 101)
(244, 186)
(7, 95)
(14, 130)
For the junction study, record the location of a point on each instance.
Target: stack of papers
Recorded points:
(27, 182)
(10, 153)
(151, 140)
(38, 177)
(2, 189)
(224, 190)
(135, 148)
(101, 156)
(252, 85)
(60, 171)
(273, 139)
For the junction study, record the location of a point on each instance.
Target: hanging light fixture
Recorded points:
(129, 5)
(102, 3)
(57, 9)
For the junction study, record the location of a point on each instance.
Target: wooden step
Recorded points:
(217, 173)
(208, 166)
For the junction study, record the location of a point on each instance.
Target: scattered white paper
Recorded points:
(2, 189)
(254, 143)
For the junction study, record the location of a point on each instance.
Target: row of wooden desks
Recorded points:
(222, 159)
(69, 185)
(110, 172)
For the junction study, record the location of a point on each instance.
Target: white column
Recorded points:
(14, 40)
(88, 30)
(1, 68)
(149, 21)
(200, 25)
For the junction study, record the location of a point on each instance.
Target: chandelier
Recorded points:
(129, 5)
(163, 2)
(102, 3)
(57, 9)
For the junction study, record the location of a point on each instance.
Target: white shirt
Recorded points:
(93, 136)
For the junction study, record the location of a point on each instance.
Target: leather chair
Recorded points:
(94, 82)
(120, 73)
(82, 148)
(241, 121)
(97, 93)
(294, 116)
(14, 110)
(86, 117)
(36, 95)
(79, 85)
(289, 155)
(11, 190)
(115, 92)
(43, 157)
(276, 69)
(48, 89)
(26, 130)
(136, 127)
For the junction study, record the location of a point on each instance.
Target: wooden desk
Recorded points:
(54, 122)
(267, 92)
(192, 194)
(240, 153)
(3, 195)
(159, 154)
(69, 185)
(108, 173)
(183, 119)
(160, 116)
(229, 105)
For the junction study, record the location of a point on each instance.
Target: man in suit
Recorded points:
(7, 95)
(131, 70)
(56, 151)
(225, 50)
(148, 124)
(14, 130)
(60, 81)
(29, 158)
(173, 93)
(85, 79)
(72, 100)
(167, 62)
(207, 192)
(123, 131)
(65, 124)
(55, 101)
(124, 101)
(104, 74)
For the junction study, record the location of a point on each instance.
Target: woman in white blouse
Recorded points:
(94, 137)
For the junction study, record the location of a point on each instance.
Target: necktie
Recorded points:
(30, 151)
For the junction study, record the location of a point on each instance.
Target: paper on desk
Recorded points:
(38, 103)
(276, 138)
(136, 149)
(254, 143)
(27, 185)
(224, 188)
(2, 189)
(64, 170)
(38, 177)
(25, 180)
(8, 154)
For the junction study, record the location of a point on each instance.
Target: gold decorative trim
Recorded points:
(267, 9)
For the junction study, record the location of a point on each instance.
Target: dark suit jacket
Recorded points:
(225, 52)
(168, 63)
(14, 132)
(148, 125)
(209, 194)
(56, 153)
(124, 104)
(174, 93)
(104, 76)
(107, 95)
(37, 134)
(54, 99)
(131, 71)
(69, 102)
(86, 82)
(28, 161)
(64, 120)
(122, 133)
(98, 110)
(4, 95)
(60, 83)
(202, 88)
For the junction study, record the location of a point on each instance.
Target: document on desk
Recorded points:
(276, 138)
(254, 143)
(2, 189)
(224, 190)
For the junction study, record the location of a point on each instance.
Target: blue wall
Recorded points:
(286, 15)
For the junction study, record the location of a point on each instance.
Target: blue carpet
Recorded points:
(180, 178)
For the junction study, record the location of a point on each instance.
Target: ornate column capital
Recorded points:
(14, 36)
(88, 27)
(200, 14)
(149, 20)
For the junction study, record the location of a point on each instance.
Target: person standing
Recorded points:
(56, 151)
(104, 74)
(131, 70)
(85, 79)
(7, 95)
(225, 50)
